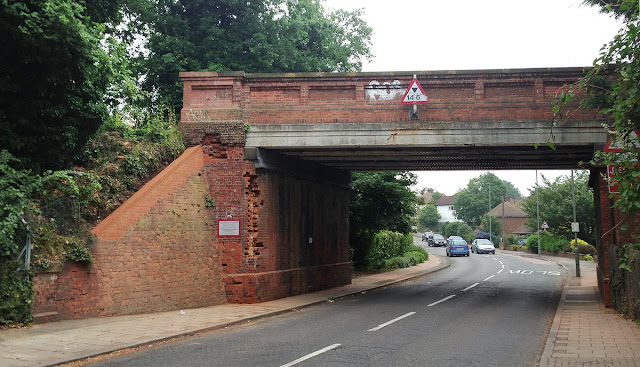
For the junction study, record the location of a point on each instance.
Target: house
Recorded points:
(444, 205)
(511, 216)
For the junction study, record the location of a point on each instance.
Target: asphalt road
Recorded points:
(484, 310)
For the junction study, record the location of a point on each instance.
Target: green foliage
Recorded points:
(415, 255)
(556, 206)
(548, 242)
(472, 202)
(491, 222)
(457, 229)
(379, 201)
(256, 36)
(54, 76)
(613, 86)
(16, 293)
(588, 257)
(386, 245)
(428, 216)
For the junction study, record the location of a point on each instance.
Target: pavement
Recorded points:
(583, 333)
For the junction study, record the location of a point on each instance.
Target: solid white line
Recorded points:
(500, 271)
(334, 346)
(488, 278)
(442, 300)
(469, 287)
(391, 322)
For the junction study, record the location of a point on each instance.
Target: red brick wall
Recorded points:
(154, 253)
(492, 95)
(302, 244)
(610, 223)
(278, 213)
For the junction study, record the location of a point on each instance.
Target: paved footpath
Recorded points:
(583, 333)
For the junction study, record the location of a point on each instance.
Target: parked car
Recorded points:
(427, 235)
(457, 247)
(436, 240)
(483, 246)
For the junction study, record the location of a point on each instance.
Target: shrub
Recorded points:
(548, 242)
(387, 245)
(416, 255)
(588, 257)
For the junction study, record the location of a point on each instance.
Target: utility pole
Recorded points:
(538, 211)
(489, 213)
(574, 226)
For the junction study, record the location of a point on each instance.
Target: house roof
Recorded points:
(445, 200)
(511, 210)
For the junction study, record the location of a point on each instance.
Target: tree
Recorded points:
(428, 216)
(256, 36)
(379, 201)
(556, 207)
(54, 76)
(472, 202)
(457, 229)
(613, 87)
(491, 224)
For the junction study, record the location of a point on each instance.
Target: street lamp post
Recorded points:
(489, 213)
(538, 210)
(574, 226)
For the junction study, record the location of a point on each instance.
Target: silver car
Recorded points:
(483, 246)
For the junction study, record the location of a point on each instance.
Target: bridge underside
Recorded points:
(467, 157)
(416, 146)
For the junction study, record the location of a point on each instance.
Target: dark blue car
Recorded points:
(458, 247)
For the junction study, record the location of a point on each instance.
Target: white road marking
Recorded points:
(500, 262)
(442, 300)
(391, 322)
(308, 356)
(469, 287)
(500, 271)
(488, 278)
(503, 266)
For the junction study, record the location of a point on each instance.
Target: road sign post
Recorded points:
(414, 95)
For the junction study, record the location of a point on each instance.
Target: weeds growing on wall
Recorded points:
(57, 209)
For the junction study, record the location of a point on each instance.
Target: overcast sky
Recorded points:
(490, 34)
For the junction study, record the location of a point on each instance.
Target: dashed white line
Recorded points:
(484, 280)
(469, 287)
(500, 271)
(442, 300)
(391, 322)
(311, 355)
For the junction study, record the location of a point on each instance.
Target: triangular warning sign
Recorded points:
(414, 94)
(617, 147)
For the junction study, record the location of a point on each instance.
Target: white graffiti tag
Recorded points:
(386, 91)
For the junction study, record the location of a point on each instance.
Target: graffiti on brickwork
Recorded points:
(386, 91)
(197, 115)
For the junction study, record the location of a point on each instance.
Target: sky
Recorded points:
(421, 35)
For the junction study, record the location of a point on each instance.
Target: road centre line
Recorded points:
(391, 322)
(311, 355)
(442, 300)
(484, 280)
(469, 287)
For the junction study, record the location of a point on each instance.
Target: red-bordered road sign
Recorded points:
(617, 148)
(414, 94)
